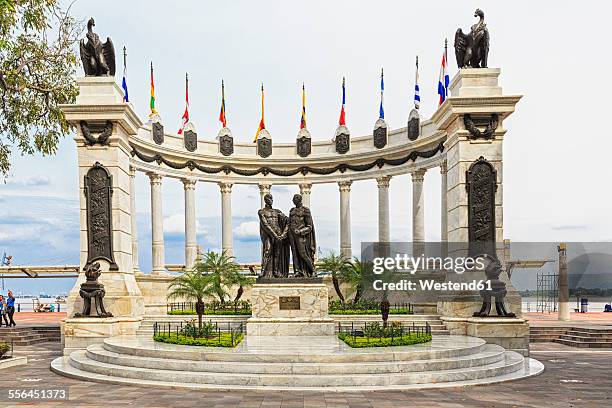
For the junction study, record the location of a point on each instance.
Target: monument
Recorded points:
(286, 304)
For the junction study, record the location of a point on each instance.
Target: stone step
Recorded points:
(319, 350)
(489, 355)
(584, 344)
(510, 363)
(61, 365)
(592, 334)
(591, 339)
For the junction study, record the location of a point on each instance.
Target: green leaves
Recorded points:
(37, 74)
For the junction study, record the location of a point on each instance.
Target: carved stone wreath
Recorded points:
(105, 131)
(487, 133)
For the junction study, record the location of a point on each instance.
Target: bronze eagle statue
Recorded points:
(472, 50)
(98, 58)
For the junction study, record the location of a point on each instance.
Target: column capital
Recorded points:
(189, 184)
(226, 188)
(418, 175)
(305, 188)
(155, 178)
(132, 171)
(443, 167)
(383, 182)
(345, 186)
(264, 188)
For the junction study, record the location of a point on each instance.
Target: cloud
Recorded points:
(175, 225)
(568, 227)
(247, 230)
(33, 181)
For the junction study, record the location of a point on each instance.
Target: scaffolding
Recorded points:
(547, 293)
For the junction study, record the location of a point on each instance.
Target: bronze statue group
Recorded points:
(282, 236)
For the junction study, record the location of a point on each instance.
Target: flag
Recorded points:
(417, 97)
(303, 119)
(152, 101)
(186, 113)
(222, 117)
(126, 98)
(261, 122)
(381, 111)
(443, 80)
(342, 121)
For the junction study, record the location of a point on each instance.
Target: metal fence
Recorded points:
(240, 307)
(369, 305)
(209, 330)
(374, 330)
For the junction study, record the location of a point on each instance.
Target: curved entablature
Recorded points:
(285, 165)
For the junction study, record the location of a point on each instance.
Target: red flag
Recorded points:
(342, 121)
(186, 113)
(222, 117)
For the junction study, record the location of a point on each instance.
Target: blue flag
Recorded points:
(126, 98)
(381, 110)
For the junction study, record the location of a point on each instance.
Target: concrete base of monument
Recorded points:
(290, 309)
(318, 363)
(290, 327)
(510, 333)
(79, 333)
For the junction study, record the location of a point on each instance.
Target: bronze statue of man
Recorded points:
(302, 238)
(273, 229)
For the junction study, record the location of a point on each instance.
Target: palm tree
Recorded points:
(221, 273)
(353, 275)
(336, 265)
(191, 285)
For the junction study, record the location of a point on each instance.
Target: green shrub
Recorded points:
(404, 311)
(227, 312)
(191, 329)
(4, 348)
(224, 340)
(364, 341)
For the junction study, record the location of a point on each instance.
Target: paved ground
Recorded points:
(34, 318)
(571, 379)
(550, 319)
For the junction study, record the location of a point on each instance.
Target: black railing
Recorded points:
(241, 307)
(336, 305)
(209, 330)
(375, 330)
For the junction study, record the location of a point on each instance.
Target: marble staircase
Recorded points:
(297, 363)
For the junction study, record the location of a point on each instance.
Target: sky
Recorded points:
(556, 151)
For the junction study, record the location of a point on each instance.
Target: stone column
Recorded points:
(564, 307)
(418, 210)
(157, 224)
(226, 218)
(384, 234)
(305, 189)
(345, 218)
(191, 245)
(133, 219)
(263, 190)
(443, 209)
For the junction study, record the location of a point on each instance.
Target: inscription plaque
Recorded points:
(289, 302)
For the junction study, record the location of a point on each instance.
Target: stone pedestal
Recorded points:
(510, 333)
(290, 309)
(79, 333)
(100, 103)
